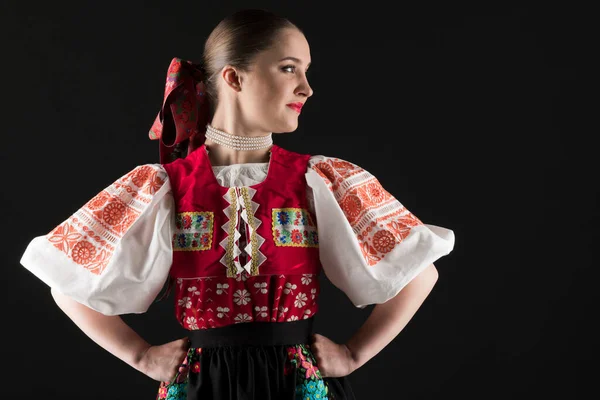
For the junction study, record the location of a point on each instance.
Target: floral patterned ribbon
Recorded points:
(185, 111)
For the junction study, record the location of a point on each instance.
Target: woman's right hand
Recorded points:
(163, 362)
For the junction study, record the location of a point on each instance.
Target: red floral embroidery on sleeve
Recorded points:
(90, 235)
(379, 221)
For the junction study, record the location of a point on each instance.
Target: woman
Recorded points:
(229, 220)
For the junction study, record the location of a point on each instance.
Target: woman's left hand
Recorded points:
(333, 360)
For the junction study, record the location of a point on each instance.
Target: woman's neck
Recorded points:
(225, 149)
(221, 155)
(229, 119)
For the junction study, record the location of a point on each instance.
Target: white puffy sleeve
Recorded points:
(370, 245)
(114, 253)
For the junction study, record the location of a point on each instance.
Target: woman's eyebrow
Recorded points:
(294, 59)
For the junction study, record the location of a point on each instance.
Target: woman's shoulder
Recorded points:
(334, 170)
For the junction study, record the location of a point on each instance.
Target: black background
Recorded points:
(476, 119)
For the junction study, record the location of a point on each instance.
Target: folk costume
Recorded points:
(242, 246)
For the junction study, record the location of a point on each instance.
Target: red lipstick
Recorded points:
(295, 106)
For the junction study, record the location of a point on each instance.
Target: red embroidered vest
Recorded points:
(247, 253)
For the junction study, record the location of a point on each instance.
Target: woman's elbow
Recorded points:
(427, 278)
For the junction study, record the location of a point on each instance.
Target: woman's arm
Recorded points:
(389, 318)
(116, 337)
(109, 332)
(383, 324)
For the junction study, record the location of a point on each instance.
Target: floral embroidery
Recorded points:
(306, 279)
(177, 388)
(379, 220)
(256, 298)
(300, 301)
(261, 311)
(289, 288)
(294, 227)
(241, 297)
(310, 382)
(221, 312)
(89, 236)
(243, 318)
(261, 287)
(193, 231)
(222, 288)
(191, 322)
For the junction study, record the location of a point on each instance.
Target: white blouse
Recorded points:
(370, 245)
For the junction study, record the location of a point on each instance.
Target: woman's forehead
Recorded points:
(291, 45)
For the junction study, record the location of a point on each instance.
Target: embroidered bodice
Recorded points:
(117, 251)
(246, 252)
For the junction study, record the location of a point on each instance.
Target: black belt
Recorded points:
(254, 334)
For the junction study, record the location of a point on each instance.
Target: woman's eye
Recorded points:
(291, 68)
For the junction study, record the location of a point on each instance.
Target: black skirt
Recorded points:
(255, 360)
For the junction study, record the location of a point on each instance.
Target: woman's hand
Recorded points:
(163, 362)
(333, 360)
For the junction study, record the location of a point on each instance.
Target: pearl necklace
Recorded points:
(238, 142)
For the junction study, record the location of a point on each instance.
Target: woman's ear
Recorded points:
(232, 78)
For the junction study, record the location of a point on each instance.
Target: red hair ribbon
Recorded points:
(184, 114)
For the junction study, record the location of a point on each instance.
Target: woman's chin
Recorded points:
(291, 126)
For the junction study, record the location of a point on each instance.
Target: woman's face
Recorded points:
(276, 87)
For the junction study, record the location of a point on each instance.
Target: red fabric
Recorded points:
(213, 302)
(185, 111)
(287, 282)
